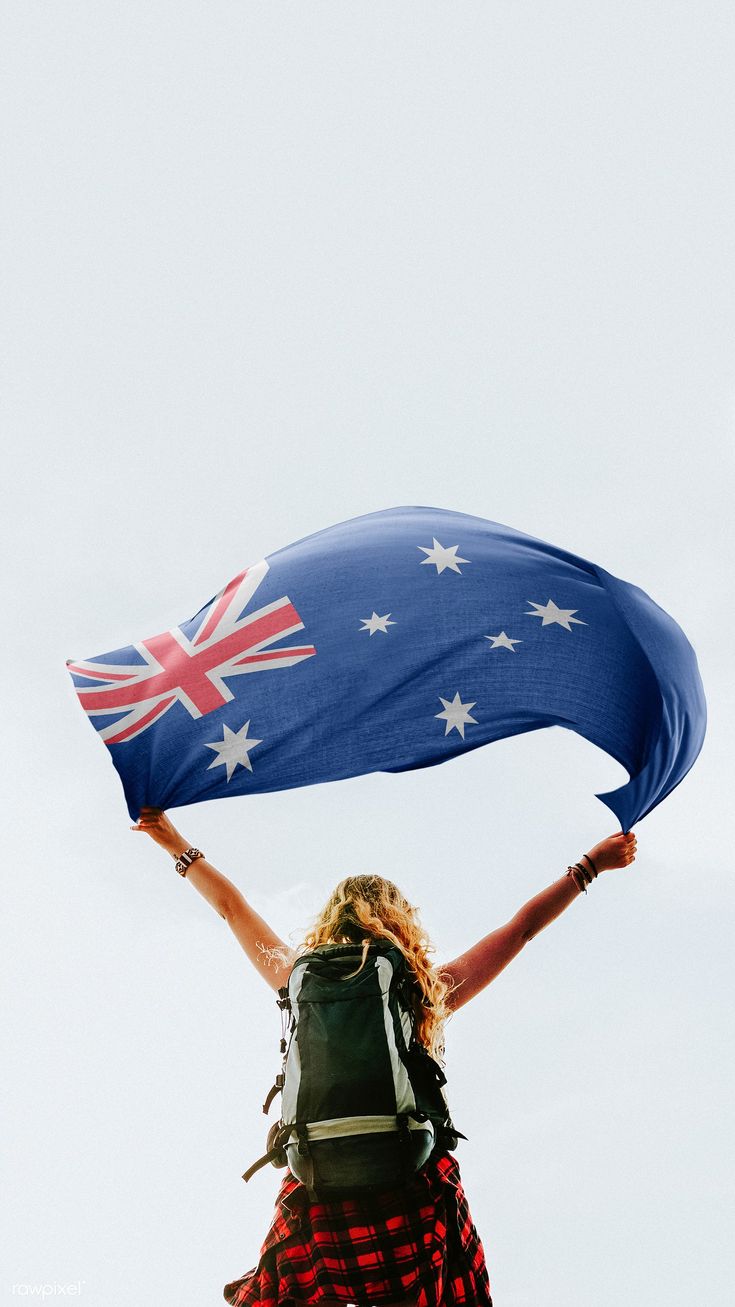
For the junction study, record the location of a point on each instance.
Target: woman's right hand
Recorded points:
(156, 824)
(616, 851)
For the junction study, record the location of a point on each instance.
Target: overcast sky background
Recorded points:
(269, 267)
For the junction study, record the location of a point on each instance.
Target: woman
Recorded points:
(416, 1246)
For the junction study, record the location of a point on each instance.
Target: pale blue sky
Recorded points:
(268, 267)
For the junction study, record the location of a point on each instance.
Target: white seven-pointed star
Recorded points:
(456, 714)
(502, 641)
(550, 613)
(442, 557)
(233, 749)
(375, 623)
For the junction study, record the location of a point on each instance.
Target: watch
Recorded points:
(185, 859)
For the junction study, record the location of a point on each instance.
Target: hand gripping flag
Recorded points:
(396, 641)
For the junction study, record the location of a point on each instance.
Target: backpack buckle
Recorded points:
(404, 1132)
(275, 1089)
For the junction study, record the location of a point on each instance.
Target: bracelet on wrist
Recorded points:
(581, 875)
(185, 859)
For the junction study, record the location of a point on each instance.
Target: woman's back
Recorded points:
(415, 1242)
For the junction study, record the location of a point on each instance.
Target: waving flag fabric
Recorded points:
(396, 641)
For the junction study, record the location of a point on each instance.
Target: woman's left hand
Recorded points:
(156, 824)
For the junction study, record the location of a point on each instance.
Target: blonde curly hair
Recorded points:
(365, 908)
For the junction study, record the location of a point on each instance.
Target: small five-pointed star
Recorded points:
(442, 557)
(233, 749)
(550, 613)
(456, 714)
(375, 623)
(502, 641)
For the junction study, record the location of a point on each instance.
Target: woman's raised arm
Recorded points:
(473, 970)
(269, 955)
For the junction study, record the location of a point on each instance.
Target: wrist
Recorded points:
(584, 872)
(177, 846)
(598, 860)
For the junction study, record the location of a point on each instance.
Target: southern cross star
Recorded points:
(375, 623)
(442, 557)
(456, 714)
(502, 641)
(233, 749)
(550, 613)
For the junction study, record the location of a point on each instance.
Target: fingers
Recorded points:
(149, 819)
(627, 845)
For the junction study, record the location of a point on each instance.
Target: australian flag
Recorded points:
(394, 641)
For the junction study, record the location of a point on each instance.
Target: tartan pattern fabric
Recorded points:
(417, 1243)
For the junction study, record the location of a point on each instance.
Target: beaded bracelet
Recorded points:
(594, 868)
(580, 875)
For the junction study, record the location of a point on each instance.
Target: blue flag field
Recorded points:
(396, 641)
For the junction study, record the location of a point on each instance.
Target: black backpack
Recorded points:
(363, 1104)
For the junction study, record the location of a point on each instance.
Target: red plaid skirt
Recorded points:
(417, 1243)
